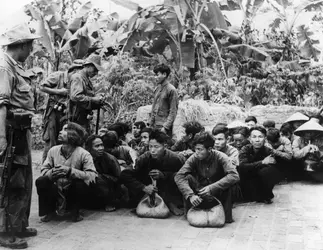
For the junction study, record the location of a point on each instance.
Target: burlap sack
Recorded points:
(213, 217)
(152, 209)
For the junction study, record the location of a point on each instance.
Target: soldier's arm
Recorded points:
(50, 84)
(5, 92)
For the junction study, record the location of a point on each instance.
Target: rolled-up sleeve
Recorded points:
(51, 81)
(6, 84)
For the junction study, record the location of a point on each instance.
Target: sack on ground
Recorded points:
(152, 207)
(207, 217)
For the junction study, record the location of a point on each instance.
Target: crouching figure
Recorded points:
(207, 174)
(160, 165)
(67, 173)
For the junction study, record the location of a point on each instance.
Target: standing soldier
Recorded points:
(57, 87)
(82, 96)
(165, 104)
(16, 109)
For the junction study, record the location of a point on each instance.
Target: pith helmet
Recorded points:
(17, 34)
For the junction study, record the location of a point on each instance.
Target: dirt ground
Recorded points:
(294, 221)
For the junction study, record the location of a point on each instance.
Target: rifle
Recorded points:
(5, 174)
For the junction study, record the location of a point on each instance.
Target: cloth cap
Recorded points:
(17, 34)
(95, 60)
(297, 117)
(310, 126)
(78, 63)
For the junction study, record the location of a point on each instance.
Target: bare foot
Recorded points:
(175, 210)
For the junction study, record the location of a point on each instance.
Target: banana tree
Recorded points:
(287, 16)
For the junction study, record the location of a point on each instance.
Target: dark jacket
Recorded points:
(138, 178)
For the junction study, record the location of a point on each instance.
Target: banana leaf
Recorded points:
(248, 51)
(307, 44)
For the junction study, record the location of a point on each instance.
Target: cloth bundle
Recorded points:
(207, 217)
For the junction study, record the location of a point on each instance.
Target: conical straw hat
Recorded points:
(297, 117)
(310, 126)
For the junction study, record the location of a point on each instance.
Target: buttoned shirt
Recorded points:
(15, 85)
(80, 162)
(165, 106)
(216, 171)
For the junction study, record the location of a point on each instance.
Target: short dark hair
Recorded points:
(273, 135)
(140, 124)
(241, 130)
(162, 68)
(269, 124)
(76, 134)
(204, 138)
(146, 130)
(220, 129)
(251, 118)
(159, 136)
(89, 142)
(120, 128)
(193, 127)
(110, 139)
(286, 129)
(261, 129)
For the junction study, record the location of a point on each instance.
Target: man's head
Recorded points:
(273, 137)
(286, 130)
(157, 142)
(94, 145)
(269, 124)
(221, 134)
(110, 140)
(239, 136)
(120, 128)
(257, 137)
(203, 144)
(191, 129)
(251, 121)
(162, 72)
(72, 134)
(137, 127)
(22, 50)
(145, 135)
(92, 65)
(19, 41)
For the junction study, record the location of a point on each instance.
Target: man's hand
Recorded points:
(121, 162)
(61, 171)
(98, 99)
(150, 189)
(310, 148)
(205, 191)
(269, 160)
(195, 200)
(156, 174)
(3, 145)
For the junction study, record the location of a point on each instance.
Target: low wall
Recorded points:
(209, 114)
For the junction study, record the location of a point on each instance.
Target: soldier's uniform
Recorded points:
(81, 95)
(16, 94)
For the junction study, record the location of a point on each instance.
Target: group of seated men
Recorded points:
(110, 170)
